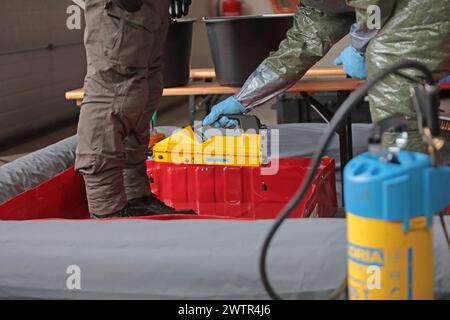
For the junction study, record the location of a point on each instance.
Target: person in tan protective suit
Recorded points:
(124, 41)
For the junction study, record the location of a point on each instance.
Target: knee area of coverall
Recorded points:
(94, 164)
(110, 114)
(100, 140)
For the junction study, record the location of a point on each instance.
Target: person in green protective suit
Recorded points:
(417, 30)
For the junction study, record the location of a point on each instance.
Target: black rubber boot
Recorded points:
(129, 211)
(152, 203)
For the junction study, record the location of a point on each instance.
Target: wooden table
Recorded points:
(209, 73)
(213, 88)
(202, 88)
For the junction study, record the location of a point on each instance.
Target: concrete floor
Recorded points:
(37, 143)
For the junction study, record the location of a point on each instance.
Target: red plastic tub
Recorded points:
(215, 192)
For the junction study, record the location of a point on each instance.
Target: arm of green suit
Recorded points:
(366, 26)
(313, 34)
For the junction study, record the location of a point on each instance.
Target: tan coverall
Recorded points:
(123, 86)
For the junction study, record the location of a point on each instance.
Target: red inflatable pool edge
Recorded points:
(61, 197)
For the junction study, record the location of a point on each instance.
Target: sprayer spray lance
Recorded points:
(390, 190)
(427, 103)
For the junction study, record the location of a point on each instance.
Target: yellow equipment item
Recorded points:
(244, 147)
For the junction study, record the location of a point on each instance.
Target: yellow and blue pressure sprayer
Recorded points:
(390, 197)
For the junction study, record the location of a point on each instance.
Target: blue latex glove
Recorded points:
(354, 63)
(445, 80)
(217, 118)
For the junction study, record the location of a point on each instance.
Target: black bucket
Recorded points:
(240, 44)
(177, 53)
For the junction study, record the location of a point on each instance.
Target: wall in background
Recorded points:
(40, 59)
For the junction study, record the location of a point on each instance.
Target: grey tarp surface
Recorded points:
(33, 169)
(177, 259)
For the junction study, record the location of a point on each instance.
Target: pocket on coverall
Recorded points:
(127, 37)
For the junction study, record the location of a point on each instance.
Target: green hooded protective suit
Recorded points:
(417, 30)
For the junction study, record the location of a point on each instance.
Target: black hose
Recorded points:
(341, 114)
(444, 229)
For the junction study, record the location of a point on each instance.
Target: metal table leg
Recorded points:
(192, 110)
(345, 140)
(350, 137)
(347, 133)
(345, 143)
(201, 103)
(288, 110)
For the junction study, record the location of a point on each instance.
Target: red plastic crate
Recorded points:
(243, 192)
